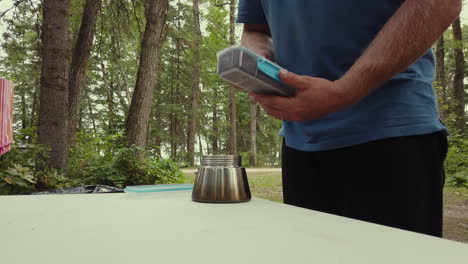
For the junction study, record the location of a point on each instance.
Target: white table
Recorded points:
(170, 228)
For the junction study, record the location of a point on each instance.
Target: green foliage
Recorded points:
(163, 171)
(458, 179)
(52, 180)
(456, 163)
(108, 161)
(20, 59)
(16, 179)
(26, 155)
(110, 80)
(21, 168)
(245, 155)
(93, 160)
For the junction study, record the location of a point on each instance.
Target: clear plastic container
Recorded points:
(245, 69)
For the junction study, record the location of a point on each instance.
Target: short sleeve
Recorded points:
(251, 11)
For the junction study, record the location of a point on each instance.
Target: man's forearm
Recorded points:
(257, 38)
(407, 36)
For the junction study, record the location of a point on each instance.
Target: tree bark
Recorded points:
(24, 121)
(157, 140)
(37, 82)
(195, 83)
(53, 110)
(232, 91)
(172, 115)
(459, 88)
(214, 133)
(140, 108)
(175, 89)
(200, 145)
(253, 134)
(110, 88)
(33, 121)
(81, 54)
(126, 98)
(91, 114)
(440, 76)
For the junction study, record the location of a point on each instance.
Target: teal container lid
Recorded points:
(269, 68)
(158, 188)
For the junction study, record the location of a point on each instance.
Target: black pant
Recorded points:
(396, 182)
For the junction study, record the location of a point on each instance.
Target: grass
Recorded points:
(267, 185)
(264, 185)
(455, 195)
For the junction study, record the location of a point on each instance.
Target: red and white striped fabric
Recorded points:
(6, 115)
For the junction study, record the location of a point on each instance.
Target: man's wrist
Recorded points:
(361, 79)
(350, 91)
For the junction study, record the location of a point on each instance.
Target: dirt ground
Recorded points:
(456, 214)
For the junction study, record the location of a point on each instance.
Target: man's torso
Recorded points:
(323, 38)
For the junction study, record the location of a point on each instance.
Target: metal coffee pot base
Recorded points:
(221, 179)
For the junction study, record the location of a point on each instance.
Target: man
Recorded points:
(362, 135)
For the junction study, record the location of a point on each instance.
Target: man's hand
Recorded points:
(314, 98)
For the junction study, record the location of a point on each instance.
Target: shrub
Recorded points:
(108, 161)
(93, 160)
(456, 163)
(16, 179)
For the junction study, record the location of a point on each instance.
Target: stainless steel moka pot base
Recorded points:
(221, 179)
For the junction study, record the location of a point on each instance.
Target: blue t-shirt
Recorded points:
(324, 38)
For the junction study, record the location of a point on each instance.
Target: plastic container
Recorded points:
(247, 70)
(158, 188)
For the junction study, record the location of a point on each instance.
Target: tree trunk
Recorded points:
(440, 76)
(214, 134)
(81, 54)
(111, 111)
(175, 90)
(459, 89)
(110, 88)
(37, 82)
(80, 120)
(53, 110)
(140, 108)
(24, 121)
(91, 114)
(157, 126)
(172, 116)
(200, 145)
(253, 134)
(195, 83)
(232, 91)
(33, 121)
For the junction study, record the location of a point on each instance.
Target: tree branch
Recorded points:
(221, 4)
(17, 3)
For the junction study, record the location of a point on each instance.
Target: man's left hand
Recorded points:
(314, 98)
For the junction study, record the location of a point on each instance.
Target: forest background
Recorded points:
(124, 92)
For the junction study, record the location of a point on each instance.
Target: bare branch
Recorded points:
(17, 3)
(221, 4)
(137, 19)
